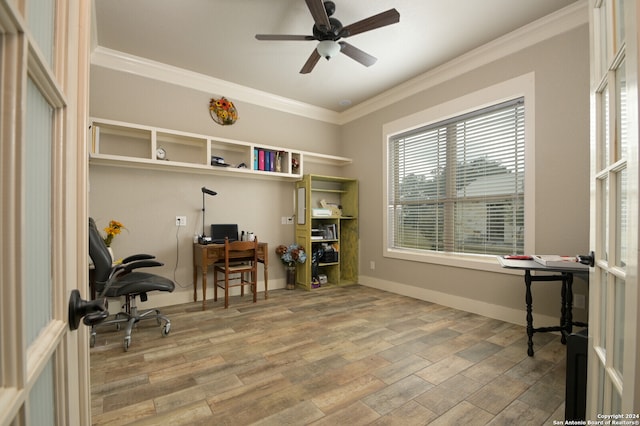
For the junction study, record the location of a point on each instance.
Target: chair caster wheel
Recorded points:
(127, 343)
(166, 329)
(92, 340)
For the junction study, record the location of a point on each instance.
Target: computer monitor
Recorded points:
(221, 231)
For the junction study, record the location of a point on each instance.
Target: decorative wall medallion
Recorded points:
(223, 111)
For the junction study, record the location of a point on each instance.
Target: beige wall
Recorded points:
(561, 67)
(148, 201)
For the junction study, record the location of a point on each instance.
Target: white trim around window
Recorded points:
(522, 86)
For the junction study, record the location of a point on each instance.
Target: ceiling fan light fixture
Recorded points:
(328, 48)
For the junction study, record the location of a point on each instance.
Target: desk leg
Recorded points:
(529, 302)
(195, 282)
(266, 280)
(204, 288)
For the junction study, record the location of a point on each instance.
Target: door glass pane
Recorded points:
(622, 219)
(601, 385)
(622, 119)
(41, 23)
(604, 127)
(41, 400)
(620, 29)
(618, 326)
(602, 338)
(604, 217)
(616, 402)
(602, 21)
(37, 239)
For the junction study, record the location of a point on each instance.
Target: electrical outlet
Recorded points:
(579, 301)
(181, 221)
(372, 265)
(286, 220)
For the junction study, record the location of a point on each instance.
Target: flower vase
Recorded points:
(110, 250)
(291, 277)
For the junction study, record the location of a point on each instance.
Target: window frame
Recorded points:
(522, 86)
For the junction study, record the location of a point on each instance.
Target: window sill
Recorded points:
(487, 263)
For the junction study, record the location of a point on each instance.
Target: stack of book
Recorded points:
(267, 160)
(557, 261)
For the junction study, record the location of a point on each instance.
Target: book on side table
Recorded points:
(557, 261)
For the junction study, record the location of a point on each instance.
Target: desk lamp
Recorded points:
(204, 239)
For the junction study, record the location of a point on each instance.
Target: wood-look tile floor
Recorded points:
(335, 356)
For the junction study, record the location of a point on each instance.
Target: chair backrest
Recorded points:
(99, 253)
(235, 251)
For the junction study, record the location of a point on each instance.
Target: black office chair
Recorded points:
(116, 281)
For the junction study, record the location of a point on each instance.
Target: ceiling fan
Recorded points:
(328, 30)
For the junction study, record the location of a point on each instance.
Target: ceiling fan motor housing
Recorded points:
(333, 33)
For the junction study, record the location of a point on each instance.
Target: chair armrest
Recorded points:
(140, 256)
(128, 267)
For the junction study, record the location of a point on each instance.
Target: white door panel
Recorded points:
(613, 315)
(43, 90)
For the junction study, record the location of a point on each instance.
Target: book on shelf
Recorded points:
(557, 261)
(317, 234)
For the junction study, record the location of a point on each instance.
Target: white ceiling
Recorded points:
(216, 38)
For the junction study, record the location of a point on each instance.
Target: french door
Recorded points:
(613, 383)
(43, 90)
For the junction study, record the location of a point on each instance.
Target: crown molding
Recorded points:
(550, 26)
(545, 28)
(120, 61)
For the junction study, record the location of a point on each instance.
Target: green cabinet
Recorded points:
(327, 228)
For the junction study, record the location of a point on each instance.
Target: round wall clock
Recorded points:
(161, 154)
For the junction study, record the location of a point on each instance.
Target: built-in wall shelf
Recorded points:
(117, 143)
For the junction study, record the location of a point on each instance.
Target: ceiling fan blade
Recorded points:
(357, 55)
(383, 19)
(311, 62)
(320, 17)
(280, 37)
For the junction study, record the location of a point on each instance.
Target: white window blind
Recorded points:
(457, 186)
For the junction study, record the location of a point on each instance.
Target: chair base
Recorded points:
(131, 316)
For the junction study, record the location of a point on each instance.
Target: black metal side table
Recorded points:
(565, 275)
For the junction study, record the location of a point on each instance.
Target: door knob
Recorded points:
(589, 259)
(93, 311)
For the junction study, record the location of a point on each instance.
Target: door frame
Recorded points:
(64, 82)
(604, 380)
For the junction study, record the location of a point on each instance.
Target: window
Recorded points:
(457, 185)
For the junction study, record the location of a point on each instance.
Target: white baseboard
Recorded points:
(185, 294)
(502, 313)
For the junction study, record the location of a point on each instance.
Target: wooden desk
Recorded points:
(205, 255)
(566, 295)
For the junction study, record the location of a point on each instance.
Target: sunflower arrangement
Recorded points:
(112, 230)
(223, 111)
